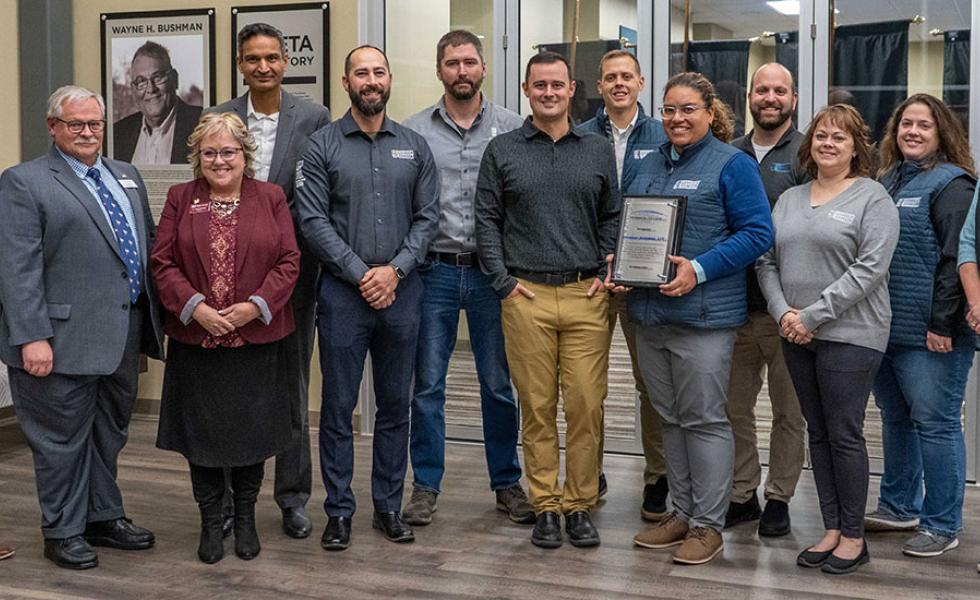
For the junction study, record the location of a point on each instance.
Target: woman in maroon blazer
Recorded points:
(225, 262)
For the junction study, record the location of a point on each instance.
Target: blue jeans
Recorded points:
(348, 329)
(449, 289)
(920, 394)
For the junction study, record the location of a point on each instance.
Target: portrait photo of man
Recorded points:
(156, 134)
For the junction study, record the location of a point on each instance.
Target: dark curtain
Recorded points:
(871, 70)
(956, 74)
(726, 64)
(788, 52)
(587, 100)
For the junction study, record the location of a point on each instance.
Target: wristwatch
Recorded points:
(398, 271)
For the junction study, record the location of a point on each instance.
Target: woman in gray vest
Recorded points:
(686, 328)
(825, 281)
(927, 168)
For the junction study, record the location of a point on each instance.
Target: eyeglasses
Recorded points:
(79, 126)
(226, 154)
(669, 112)
(159, 78)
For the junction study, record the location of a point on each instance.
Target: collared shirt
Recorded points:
(263, 128)
(118, 193)
(457, 153)
(365, 201)
(156, 143)
(620, 137)
(544, 205)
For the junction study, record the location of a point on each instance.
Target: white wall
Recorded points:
(612, 14)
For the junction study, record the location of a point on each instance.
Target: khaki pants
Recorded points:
(559, 337)
(651, 425)
(756, 345)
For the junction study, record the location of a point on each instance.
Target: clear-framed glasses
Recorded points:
(226, 154)
(79, 126)
(669, 112)
(159, 78)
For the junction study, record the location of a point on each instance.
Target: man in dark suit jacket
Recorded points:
(158, 133)
(281, 124)
(78, 309)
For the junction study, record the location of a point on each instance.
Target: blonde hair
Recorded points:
(212, 123)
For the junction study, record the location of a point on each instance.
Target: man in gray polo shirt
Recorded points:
(774, 143)
(458, 128)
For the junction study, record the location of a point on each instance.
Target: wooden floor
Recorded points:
(470, 551)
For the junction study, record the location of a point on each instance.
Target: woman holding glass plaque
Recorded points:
(686, 327)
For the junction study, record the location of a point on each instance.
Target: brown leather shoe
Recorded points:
(670, 532)
(6, 552)
(700, 546)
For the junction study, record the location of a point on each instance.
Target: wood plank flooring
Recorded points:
(470, 550)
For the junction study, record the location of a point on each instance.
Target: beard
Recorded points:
(465, 93)
(369, 109)
(770, 124)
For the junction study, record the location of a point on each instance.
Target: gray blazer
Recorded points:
(298, 119)
(62, 277)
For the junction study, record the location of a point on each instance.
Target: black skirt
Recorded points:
(225, 407)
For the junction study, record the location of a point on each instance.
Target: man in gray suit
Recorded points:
(78, 309)
(281, 124)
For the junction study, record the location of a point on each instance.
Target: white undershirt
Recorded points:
(620, 139)
(154, 145)
(761, 151)
(263, 128)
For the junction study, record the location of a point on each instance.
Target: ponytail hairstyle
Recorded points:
(723, 120)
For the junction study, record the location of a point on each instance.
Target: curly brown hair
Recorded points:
(849, 119)
(722, 117)
(954, 148)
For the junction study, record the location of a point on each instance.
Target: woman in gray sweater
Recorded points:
(825, 281)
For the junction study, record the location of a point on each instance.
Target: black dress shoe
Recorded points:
(743, 512)
(655, 500)
(840, 566)
(337, 534)
(120, 534)
(71, 553)
(581, 532)
(547, 530)
(391, 524)
(775, 519)
(813, 559)
(295, 523)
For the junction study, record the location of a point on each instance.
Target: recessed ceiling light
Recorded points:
(786, 7)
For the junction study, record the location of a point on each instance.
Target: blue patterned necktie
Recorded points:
(124, 235)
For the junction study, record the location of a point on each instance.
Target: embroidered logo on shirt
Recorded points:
(843, 217)
(908, 202)
(781, 167)
(406, 154)
(641, 154)
(299, 179)
(687, 184)
(493, 132)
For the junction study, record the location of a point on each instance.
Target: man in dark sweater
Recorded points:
(774, 143)
(547, 213)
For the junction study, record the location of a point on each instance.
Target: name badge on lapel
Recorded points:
(198, 207)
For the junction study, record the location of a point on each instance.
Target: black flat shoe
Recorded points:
(654, 506)
(295, 523)
(743, 512)
(337, 534)
(547, 530)
(813, 559)
(392, 526)
(120, 534)
(71, 553)
(840, 566)
(581, 532)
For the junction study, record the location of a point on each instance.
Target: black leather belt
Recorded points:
(556, 279)
(463, 259)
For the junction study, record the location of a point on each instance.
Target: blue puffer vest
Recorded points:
(911, 277)
(715, 304)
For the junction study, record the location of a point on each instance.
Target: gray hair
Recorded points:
(71, 93)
